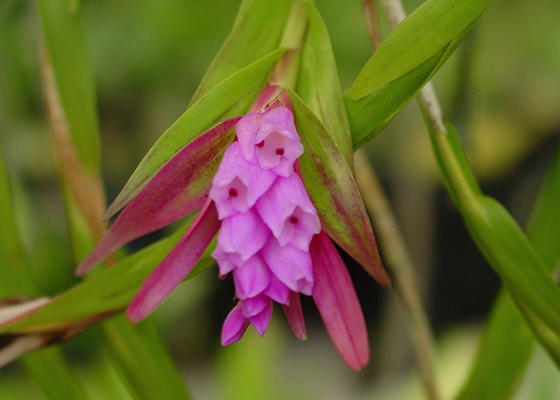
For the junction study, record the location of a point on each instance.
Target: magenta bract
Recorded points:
(338, 303)
(176, 190)
(269, 236)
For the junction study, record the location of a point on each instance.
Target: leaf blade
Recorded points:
(319, 86)
(231, 97)
(501, 241)
(334, 192)
(177, 189)
(497, 368)
(416, 39)
(251, 38)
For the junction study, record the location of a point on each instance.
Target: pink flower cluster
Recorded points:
(268, 220)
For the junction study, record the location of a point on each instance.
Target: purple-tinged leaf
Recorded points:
(176, 190)
(338, 304)
(294, 315)
(178, 263)
(333, 190)
(231, 97)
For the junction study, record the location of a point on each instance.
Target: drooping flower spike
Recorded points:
(270, 236)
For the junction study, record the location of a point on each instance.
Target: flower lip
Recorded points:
(271, 138)
(289, 213)
(238, 183)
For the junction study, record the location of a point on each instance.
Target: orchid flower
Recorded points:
(270, 234)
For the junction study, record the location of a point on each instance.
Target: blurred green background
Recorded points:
(501, 89)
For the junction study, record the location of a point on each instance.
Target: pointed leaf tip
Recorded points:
(333, 190)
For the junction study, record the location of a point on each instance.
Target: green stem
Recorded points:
(389, 235)
(285, 73)
(401, 267)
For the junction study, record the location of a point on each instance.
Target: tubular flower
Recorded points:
(269, 232)
(268, 220)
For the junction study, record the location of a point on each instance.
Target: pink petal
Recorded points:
(238, 183)
(224, 261)
(271, 137)
(277, 291)
(291, 265)
(234, 326)
(244, 234)
(261, 320)
(254, 305)
(176, 190)
(338, 304)
(252, 278)
(288, 212)
(295, 316)
(176, 265)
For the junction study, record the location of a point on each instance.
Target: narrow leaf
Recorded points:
(149, 369)
(65, 41)
(230, 98)
(253, 36)
(502, 242)
(424, 33)
(319, 86)
(176, 190)
(338, 303)
(333, 189)
(504, 350)
(104, 294)
(497, 369)
(15, 278)
(509, 252)
(370, 114)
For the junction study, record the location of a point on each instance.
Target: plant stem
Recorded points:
(401, 267)
(387, 230)
(285, 73)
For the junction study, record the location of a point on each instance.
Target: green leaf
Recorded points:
(497, 368)
(149, 369)
(252, 37)
(332, 187)
(15, 278)
(511, 255)
(105, 293)
(65, 42)
(54, 375)
(370, 114)
(48, 368)
(450, 176)
(424, 33)
(318, 84)
(544, 230)
(504, 350)
(502, 242)
(231, 97)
